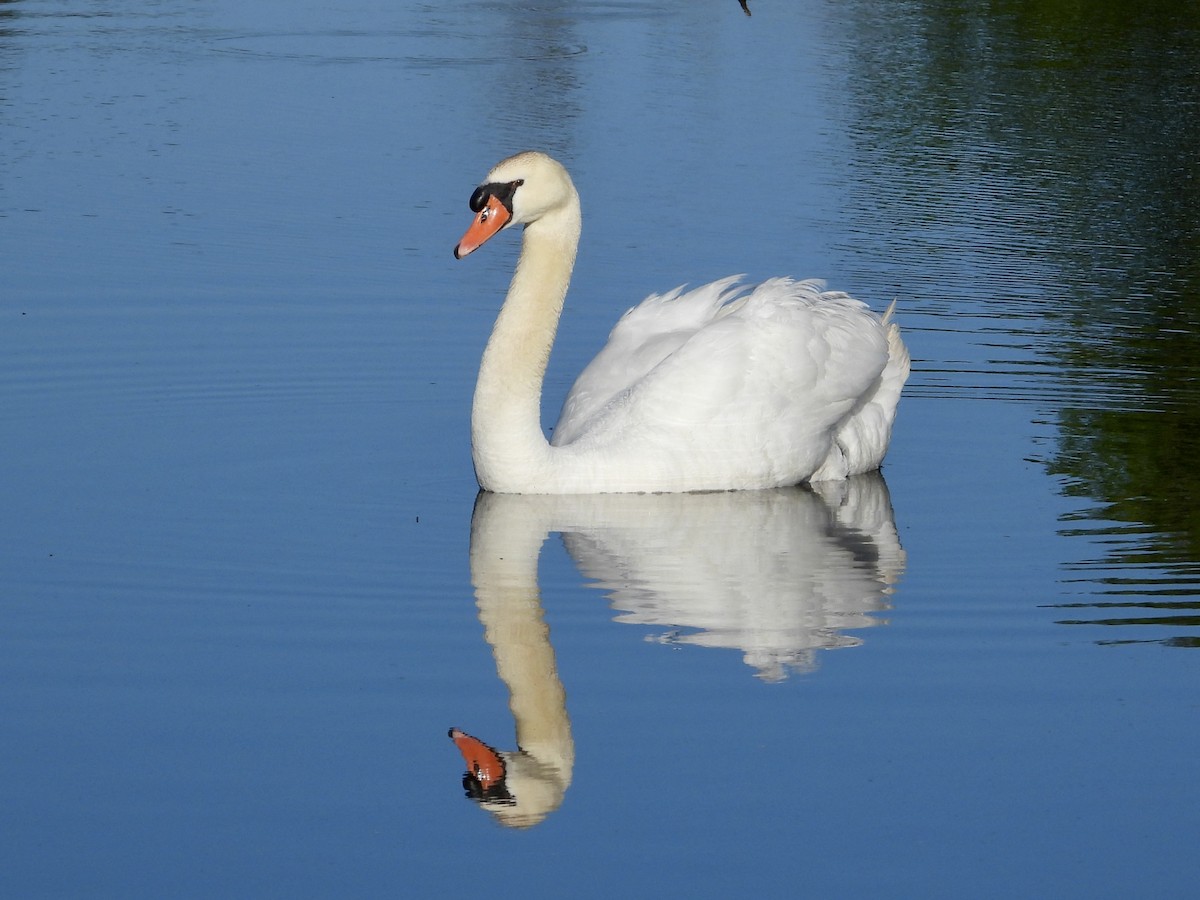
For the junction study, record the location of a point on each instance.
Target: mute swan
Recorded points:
(718, 388)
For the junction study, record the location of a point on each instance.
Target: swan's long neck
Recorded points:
(509, 447)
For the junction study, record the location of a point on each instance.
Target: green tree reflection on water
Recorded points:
(1130, 438)
(1059, 143)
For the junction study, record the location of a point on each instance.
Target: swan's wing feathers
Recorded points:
(644, 336)
(678, 309)
(769, 379)
(790, 353)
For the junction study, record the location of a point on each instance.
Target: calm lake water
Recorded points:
(248, 584)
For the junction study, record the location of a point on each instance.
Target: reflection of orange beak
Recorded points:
(483, 763)
(491, 219)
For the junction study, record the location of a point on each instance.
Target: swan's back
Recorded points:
(727, 386)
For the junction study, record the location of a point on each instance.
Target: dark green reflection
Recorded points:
(1043, 159)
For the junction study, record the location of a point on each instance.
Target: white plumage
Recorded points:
(722, 387)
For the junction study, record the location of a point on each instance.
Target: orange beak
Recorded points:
(483, 763)
(491, 219)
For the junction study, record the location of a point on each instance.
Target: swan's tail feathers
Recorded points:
(889, 312)
(862, 440)
(899, 362)
(895, 372)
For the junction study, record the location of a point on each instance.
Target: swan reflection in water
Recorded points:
(778, 574)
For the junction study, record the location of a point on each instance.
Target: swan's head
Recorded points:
(518, 191)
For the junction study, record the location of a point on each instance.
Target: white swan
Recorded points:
(719, 388)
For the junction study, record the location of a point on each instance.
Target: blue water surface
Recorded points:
(248, 584)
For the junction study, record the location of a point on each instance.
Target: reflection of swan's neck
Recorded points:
(504, 558)
(508, 444)
(520, 639)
